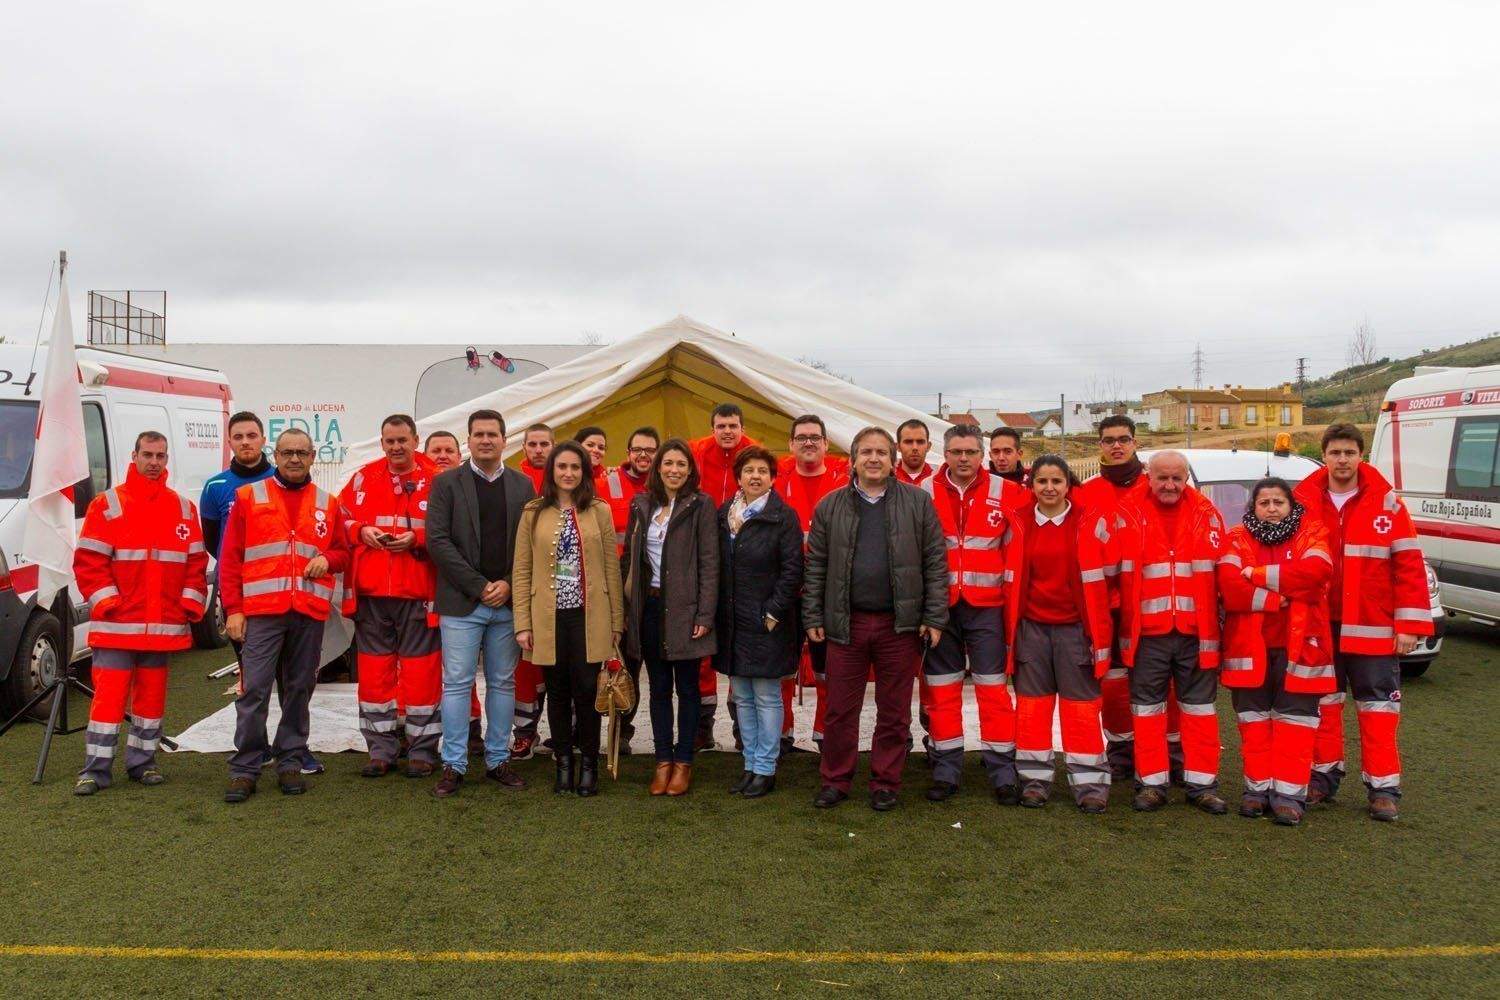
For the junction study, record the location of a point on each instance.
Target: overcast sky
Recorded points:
(984, 200)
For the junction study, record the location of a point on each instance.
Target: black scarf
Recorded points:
(1273, 534)
(1124, 474)
(1016, 475)
(246, 471)
(291, 486)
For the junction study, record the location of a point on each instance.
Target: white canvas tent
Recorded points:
(670, 377)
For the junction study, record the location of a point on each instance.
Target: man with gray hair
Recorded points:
(1165, 544)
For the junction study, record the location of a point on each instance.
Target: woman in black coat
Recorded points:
(760, 582)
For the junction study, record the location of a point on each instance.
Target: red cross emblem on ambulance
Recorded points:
(182, 531)
(1382, 524)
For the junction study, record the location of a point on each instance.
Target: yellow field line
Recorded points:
(749, 957)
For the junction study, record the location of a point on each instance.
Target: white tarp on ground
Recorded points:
(578, 387)
(335, 723)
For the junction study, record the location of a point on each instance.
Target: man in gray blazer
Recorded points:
(472, 515)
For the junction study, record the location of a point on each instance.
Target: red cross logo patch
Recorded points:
(1213, 539)
(182, 531)
(1382, 524)
(995, 518)
(320, 529)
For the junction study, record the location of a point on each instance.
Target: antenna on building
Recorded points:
(1198, 366)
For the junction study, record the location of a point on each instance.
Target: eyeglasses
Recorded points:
(807, 439)
(294, 453)
(642, 451)
(964, 452)
(1110, 441)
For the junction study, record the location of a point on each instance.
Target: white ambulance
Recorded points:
(1438, 442)
(122, 396)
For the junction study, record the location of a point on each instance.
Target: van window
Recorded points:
(17, 439)
(1472, 472)
(97, 444)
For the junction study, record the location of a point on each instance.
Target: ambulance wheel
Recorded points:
(39, 659)
(1414, 668)
(209, 633)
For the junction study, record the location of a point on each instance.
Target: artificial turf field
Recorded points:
(681, 895)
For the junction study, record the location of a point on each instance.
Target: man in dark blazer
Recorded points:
(471, 537)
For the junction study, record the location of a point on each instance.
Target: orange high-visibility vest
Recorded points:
(277, 551)
(975, 539)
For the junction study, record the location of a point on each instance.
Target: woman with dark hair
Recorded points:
(760, 580)
(569, 606)
(1278, 645)
(672, 587)
(1056, 628)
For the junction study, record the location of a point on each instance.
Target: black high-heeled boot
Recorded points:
(588, 776)
(565, 771)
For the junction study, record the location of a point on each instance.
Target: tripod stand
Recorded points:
(57, 718)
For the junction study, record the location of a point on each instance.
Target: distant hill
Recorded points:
(1353, 387)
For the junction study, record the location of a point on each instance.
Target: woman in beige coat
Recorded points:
(569, 606)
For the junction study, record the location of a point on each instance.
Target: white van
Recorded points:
(122, 396)
(1225, 476)
(1437, 441)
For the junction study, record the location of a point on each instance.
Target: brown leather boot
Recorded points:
(662, 778)
(1383, 809)
(682, 778)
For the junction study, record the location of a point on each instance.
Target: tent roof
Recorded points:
(698, 359)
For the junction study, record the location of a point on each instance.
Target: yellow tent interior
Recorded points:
(676, 395)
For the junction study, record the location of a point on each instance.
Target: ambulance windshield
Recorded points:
(17, 436)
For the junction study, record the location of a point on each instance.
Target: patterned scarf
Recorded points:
(737, 514)
(1268, 533)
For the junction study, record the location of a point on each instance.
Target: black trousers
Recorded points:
(573, 683)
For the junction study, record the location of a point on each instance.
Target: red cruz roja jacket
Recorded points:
(394, 504)
(1090, 600)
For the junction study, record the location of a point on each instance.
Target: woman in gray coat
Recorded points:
(672, 588)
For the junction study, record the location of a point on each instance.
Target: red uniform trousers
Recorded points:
(873, 642)
(1277, 729)
(1376, 683)
(1055, 667)
(398, 653)
(122, 676)
(1162, 663)
(973, 638)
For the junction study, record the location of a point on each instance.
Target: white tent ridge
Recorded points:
(576, 388)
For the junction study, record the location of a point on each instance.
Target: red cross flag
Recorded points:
(59, 460)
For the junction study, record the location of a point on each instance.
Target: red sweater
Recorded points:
(716, 466)
(803, 493)
(1050, 597)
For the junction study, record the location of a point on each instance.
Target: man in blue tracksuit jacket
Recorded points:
(247, 441)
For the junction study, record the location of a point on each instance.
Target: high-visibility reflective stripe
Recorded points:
(137, 628)
(1118, 737)
(1250, 717)
(1287, 788)
(1159, 778)
(996, 488)
(1100, 531)
(1309, 672)
(1116, 673)
(1086, 759)
(1320, 554)
(267, 551)
(258, 492)
(94, 545)
(1379, 706)
(169, 556)
(1088, 777)
(1366, 632)
(99, 750)
(1405, 545)
(1092, 576)
(1381, 780)
(1127, 565)
(1202, 565)
(314, 588)
(1413, 614)
(132, 555)
(274, 585)
(1004, 747)
(187, 507)
(1257, 784)
(1102, 656)
(1231, 559)
(1259, 599)
(973, 544)
(417, 732)
(938, 680)
(1273, 577)
(1156, 605)
(1208, 645)
(103, 728)
(307, 551)
(1391, 502)
(982, 579)
(616, 488)
(189, 594)
(1329, 767)
(112, 508)
(989, 680)
(953, 744)
(1156, 708)
(1189, 708)
(1199, 777)
(145, 723)
(620, 537)
(1156, 571)
(419, 710)
(378, 707)
(1185, 603)
(142, 744)
(1308, 721)
(1368, 551)
(378, 726)
(195, 547)
(1233, 663)
(1337, 698)
(103, 592)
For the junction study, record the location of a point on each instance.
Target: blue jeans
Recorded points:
(666, 676)
(493, 630)
(757, 702)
